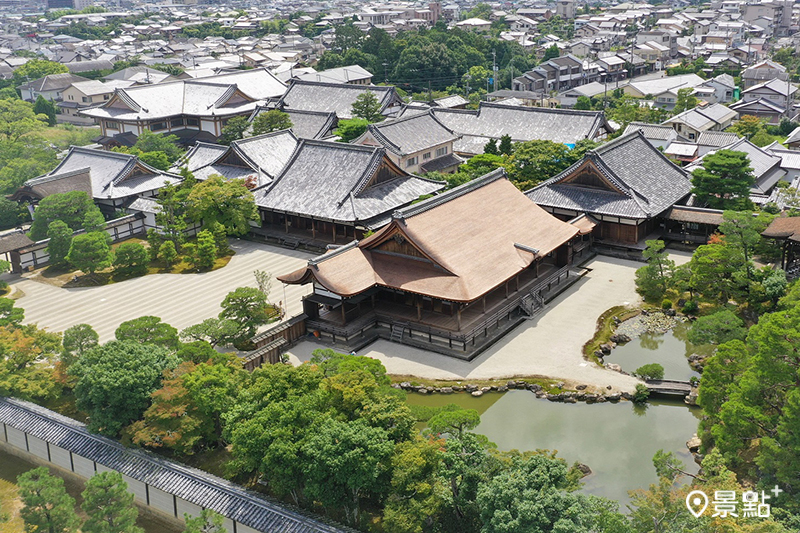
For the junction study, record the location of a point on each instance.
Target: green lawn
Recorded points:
(66, 135)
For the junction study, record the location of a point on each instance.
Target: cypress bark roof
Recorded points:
(460, 245)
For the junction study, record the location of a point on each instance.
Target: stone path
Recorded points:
(179, 299)
(550, 345)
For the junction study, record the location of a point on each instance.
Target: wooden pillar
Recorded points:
(287, 223)
(537, 268)
(313, 229)
(373, 301)
(458, 316)
(516, 278)
(333, 224)
(506, 288)
(483, 301)
(343, 318)
(419, 306)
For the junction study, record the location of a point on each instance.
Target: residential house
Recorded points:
(474, 24)
(721, 89)
(48, 87)
(762, 72)
(85, 94)
(662, 86)
(626, 185)
(352, 74)
(771, 100)
(709, 141)
(690, 123)
(416, 143)
(558, 74)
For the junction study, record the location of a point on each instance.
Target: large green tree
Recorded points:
(272, 120)
(69, 207)
(37, 68)
(653, 280)
(367, 107)
(347, 461)
(208, 522)
(109, 506)
(90, 252)
(47, 508)
(234, 130)
(248, 307)
(173, 421)
(724, 180)
(228, 202)
(78, 339)
(131, 259)
(58, 246)
(148, 330)
(46, 108)
(115, 381)
(535, 161)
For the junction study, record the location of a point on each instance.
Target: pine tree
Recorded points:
(48, 507)
(505, 147)
(109, 505)
(206, 249)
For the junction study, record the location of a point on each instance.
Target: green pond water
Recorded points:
(617, 441)
(11, 466)
(670, 350)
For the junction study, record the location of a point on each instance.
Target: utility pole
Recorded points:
(494, 70)
(466, 78)
(385, 77)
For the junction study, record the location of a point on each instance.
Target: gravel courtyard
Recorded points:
(179, 299)
(549, 345)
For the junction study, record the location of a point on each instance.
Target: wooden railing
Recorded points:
(460, 339)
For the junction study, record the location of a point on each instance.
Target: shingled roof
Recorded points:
(493, 120)
(262, 156)
(101, 174)
(626, 177)
(410, 134)
(334, 97)
(189, 484)
(499, 233)
(223, 95)
(342, 182)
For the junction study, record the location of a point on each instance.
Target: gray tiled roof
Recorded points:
(649, 182)
(327, 180)
(716, 138)
(411, 134)
(656, 132)
(333, 97)
(264, 156)
(524, 123)
(766, 166)
(200, 97)
(192, 485)
(53, 82)
(111, 173)
(311, 124)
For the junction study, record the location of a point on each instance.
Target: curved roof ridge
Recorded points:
(452, 194)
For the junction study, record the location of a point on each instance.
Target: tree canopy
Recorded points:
(228, 202)
(724, 181)
(115, 380)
